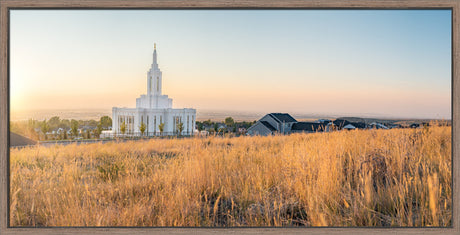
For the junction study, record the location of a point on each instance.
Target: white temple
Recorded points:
(153, 109)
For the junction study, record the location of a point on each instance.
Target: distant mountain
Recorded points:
(401, 121)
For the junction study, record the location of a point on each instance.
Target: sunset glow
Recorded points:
(383, 62)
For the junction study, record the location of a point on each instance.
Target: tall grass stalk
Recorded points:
(398, 177)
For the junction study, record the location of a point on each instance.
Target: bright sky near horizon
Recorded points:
(382, 62)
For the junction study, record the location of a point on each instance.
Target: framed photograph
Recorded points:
(271, 117)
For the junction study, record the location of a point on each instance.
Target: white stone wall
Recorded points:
(152, 119)
(185, 116)
(127, 115)
(154, 102)
(153, 109)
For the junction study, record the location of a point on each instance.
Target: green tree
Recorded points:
(207, 122)
(92, 123)
(199, 126)
(216, 127)
(88, 134)
(54, 122)
(161, 127)
(95, 133)
(74, 127)
(229, 121)
(142, 128)
(106, 122)
(64, 136)
(64, 124)
(31, 127)
(98, 130)
(180, 127)
(123, 127)
(45, 128)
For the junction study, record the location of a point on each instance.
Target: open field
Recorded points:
(398, 177)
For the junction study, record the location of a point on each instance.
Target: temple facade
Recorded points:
(154, 110)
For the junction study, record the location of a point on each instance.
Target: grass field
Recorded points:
(398, 177)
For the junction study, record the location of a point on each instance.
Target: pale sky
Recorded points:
(382, 62)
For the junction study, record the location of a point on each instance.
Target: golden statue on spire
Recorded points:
(154, 46)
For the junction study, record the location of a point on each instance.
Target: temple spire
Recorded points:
(155, 63)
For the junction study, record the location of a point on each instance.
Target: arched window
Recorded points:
(158, 84)
(151, 83)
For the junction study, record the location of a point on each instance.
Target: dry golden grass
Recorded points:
(399, 177)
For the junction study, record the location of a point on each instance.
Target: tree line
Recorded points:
(228, 126)
(56, 128)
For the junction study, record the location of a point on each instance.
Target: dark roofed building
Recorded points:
(271, 123)
(376, 125)
(261, 128)
(349, 127)
(326, 121)
(284, 123)
(19, 140)
(308, 127)
(414, 125)
(283, 117)
(266, 124)
(359, 125)
(341, 123)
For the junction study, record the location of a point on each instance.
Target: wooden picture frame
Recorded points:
(7, 5)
